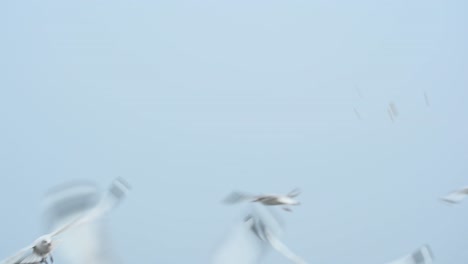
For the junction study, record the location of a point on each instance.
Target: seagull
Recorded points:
(426, 99)
(91, 243)
(422, 255)
(40, 251)
(393, 109)
(270, 199)
(456, 196)
(357, 113)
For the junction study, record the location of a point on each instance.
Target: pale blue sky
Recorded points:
(189, 100)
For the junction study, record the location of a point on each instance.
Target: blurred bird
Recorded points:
(426, 99)
(422, 255)
(456, 196)
(357, 113)
(270, 199)
(393, 109)
(41, 250)
(90, 243)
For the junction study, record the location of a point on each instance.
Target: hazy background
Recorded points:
(189, 100)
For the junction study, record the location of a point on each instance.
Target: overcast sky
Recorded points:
(189, 100)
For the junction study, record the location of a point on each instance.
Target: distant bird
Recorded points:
(357, 113)
(456, 196)
(392, 111)
(390, 114)
(426, 99)
(358, 91)
(270, 199)
(41, 250)
(422, 255)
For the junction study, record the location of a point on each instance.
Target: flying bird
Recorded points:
(392, 111)
(285, 201)
(426, 99)
(357, 113)
(90, 243)
(456, 196)
(358, 91)
(40, 251)
(390, 115)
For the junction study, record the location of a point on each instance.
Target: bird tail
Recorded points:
(295, 192)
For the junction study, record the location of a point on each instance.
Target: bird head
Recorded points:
(44, 244)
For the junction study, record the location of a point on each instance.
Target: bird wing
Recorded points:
(66, 226)
(423, 255)
(115, 195)
(24, 256)
(90, 243)
(295, 192)
(236, 197)
(282, 248)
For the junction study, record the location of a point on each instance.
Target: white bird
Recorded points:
(90, 243)
(456, 196)
(41, 250)
(269, 199)
(422, 255)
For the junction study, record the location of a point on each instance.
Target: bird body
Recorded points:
(276, 200)
(270, 199)
(94, 241)
(43, 245)
(41, 250)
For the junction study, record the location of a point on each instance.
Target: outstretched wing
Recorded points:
(237, 197)
(114, 196)
(282, 248)
(90, 243)
(24, 256)
(295, 192)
